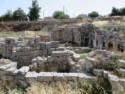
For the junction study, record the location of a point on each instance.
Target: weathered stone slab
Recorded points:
(31, 76)
(71, 76)
(48, 45)
(98, 72)
(7, 66)
(76, 57)
(60, 49)
(42, 45)
(86, 77)
(45, 76)
(121, 63)
(58, 76)
(59, 53)
(54, 44)
(23, 70)
(89, 63)
(121, 72)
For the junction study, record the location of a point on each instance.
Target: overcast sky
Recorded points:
(72, 7)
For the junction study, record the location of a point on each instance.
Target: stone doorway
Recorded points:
(97, 43)
(120, 47)
(110, 46)
(86, 42)
(103, 45)
(0, 56)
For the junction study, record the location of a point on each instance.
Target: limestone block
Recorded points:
(53, 49)
(58, 76)
(121, 72)
(98, 72)
(105, 73)
(89, 63)
(59, 53)
(121, 63)
(71, 76)
(86, 77)
(37, 40)
(117, 84)
(39, 60)
(11, 71)
(49, 51)
(37, 46)
(31, 76)
(77, 36)
(42, 45)
(9, 65)
(44, 52)
(70, 52)
(60, 49)
(54, 44)
(23, 70)
(45, 38)
(76, 57)
(25, 49)
(7, 78)
(36, 53)
(67, 36)
(48, 45)
(50, 59)
(10, 41)
(45, 76)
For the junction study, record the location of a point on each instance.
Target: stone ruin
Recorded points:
(42, 59)
(88, 35)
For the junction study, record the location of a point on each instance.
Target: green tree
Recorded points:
(60, 15)
(34, 11)
(19, 15)
(7, 16)
(93, 14)
(115, 12)
(122, 12)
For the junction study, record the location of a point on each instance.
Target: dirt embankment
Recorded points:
(33, 25)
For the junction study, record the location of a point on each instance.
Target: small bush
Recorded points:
(113, 65)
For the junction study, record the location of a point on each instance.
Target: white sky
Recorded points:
(72, 7)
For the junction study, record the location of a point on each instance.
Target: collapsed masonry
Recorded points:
(88, 35)
(98, 64)
(40, 59)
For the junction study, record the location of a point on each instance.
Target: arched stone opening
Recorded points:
(103, 44)
(0, 56)
(86, 42)
(120, 47)
(110, 46)
(97, 43)
(91, 43)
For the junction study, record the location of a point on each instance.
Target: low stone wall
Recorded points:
(25, 49)
(53, 76)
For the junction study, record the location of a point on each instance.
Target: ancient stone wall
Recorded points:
(88, 35)
(28, 48)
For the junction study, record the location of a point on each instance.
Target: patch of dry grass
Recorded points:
(23, 33)
(59, 88)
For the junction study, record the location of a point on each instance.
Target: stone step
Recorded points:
(23, 70)
(121, 63)
(121, 72)
(118, 84)
(54, 76)
(7, 66)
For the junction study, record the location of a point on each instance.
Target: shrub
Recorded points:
(113, 65)
(60, 15)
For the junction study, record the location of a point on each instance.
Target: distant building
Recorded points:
(49, 18)
(82, 16)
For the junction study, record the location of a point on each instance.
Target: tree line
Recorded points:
(20, 15)
(34, 10)
(118, 12)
